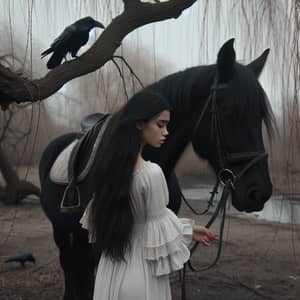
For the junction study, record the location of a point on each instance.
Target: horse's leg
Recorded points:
(84, 266)
(62, 241)
(77, 263)
(174, 193)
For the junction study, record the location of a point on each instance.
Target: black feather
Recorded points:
(70, 40)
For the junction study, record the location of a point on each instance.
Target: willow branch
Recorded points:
(14, 88)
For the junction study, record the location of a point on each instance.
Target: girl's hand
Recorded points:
(203, 235)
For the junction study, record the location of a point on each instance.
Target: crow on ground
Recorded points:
(22, 259)
(71, 39)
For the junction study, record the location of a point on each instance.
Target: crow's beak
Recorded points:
(98, 24)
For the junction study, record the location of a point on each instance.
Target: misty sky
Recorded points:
(192, 39)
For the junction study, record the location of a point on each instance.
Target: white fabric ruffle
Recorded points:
(166, 241)
(85, 222)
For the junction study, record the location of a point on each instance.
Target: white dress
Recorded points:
(158, 247)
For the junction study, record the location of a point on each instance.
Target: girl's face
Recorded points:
(154, 132)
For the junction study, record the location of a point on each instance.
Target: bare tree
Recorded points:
(14, 88)
(17, 88)
(11, 138)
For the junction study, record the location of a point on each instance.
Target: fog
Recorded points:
(153, 51)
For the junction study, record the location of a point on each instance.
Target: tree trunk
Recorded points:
(15, 88)
(15, 190)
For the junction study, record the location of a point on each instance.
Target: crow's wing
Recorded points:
(78, 40)
(64, 37)
(56, 58)
(61, 40)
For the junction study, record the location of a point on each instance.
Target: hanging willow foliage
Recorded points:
(256, 24)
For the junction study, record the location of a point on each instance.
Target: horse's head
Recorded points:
(228, 132)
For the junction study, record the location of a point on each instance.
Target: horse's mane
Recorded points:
(245, 88)
(186, 88)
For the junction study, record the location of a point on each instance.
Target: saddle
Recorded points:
(91, 120)
(74, 163)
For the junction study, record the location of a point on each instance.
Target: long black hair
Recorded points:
(112, 219)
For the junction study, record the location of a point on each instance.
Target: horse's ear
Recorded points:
(226, 62)
(258, 64)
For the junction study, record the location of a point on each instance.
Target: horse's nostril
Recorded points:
(259, 196)
(253, 195)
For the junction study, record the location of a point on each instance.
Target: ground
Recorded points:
(259, 260)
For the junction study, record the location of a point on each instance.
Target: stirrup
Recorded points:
(67, 205)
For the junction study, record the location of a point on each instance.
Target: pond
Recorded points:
(280, 208)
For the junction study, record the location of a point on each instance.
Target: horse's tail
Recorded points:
(52, 151)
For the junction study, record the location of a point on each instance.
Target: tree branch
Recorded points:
(14, 88)
(130, 2)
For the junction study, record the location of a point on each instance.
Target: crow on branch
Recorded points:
(70, 40)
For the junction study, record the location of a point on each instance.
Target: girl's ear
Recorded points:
(140, 125)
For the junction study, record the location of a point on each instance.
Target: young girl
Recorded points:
(140, 240)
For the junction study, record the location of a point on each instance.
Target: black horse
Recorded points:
(220, 109)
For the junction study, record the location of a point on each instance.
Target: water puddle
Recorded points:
(280, 208)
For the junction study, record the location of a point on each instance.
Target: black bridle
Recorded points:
(225, 175)
(225, 159)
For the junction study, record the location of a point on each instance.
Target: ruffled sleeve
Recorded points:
(84, 221)
(166, 236)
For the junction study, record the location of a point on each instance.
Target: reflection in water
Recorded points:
(280, 208)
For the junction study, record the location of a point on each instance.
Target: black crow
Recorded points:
(22, 259)
(71, 39)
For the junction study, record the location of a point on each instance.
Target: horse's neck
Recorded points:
(176, 145)
(169, 154)
(182, 134)
(186, 111)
